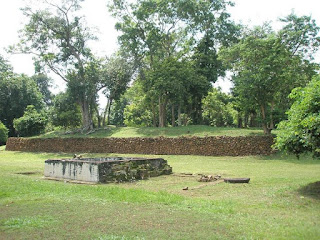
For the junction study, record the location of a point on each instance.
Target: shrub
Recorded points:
(137, 116)
(3, 133)
(301, 132)
(31, 123)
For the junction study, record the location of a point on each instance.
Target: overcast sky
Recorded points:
(250, 12)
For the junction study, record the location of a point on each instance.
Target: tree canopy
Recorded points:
(267, 66)
(58, 38)
(16, 93)
(161, 35)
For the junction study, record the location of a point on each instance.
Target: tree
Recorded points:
(301, 132)
(260, 78)
(217, 109)
(257, 60)
(117, 111)
(300, 35)
(65, 112)
(3, 134)
(58, 38)
(16, 93)
(136, 112)
(31, 123)
(116, 74)
(155, 32)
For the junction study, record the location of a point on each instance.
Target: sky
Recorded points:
(249, 12)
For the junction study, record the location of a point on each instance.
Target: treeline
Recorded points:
(171, 53)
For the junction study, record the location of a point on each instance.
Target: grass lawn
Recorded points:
(282, 201)
(189, 131)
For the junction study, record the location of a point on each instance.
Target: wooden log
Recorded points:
(237, 180)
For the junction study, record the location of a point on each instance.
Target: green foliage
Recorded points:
(117, 111)
(31, 123)
(300, 35)
(260, 78)
(3, 133)
(65, 112)
(217, 109)
(136, 113)
(301, 132)
(185, 119)
(160, 35)
(44, 83)
(158, 29)
(58, 37)
(135, 116)
(117, 73)
(16, 92)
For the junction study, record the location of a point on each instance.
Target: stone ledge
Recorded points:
(207, 146)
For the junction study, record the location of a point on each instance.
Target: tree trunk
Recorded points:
(154, 117)
(252, 120)
(109, 108)
(246, 120)
(179, 115)
(173, 120)
(266, 130)
(98, 116)
(86, 116)
(162, 112)
(239, 120)
(105, 113)
(271, 116)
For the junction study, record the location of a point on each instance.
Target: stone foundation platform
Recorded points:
(103, 170)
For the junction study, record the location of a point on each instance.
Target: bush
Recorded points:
(31, 123)
(3, 134)
(136, 115)
(301, 132)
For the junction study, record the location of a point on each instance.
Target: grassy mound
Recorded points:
(189, 131)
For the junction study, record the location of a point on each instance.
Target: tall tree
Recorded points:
(117, 72)
(153, 31)
(58, 38)
(258, 62)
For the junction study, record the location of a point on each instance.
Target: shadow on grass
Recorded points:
(97, 133)
(311, 190)
(196, 130)
(291, 158)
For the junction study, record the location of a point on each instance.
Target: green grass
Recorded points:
(282, 201)
(188, 131)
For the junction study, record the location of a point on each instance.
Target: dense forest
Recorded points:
(171, 53)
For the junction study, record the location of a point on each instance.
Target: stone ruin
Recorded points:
(103, 170)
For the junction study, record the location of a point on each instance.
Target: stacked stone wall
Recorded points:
(208, 146)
